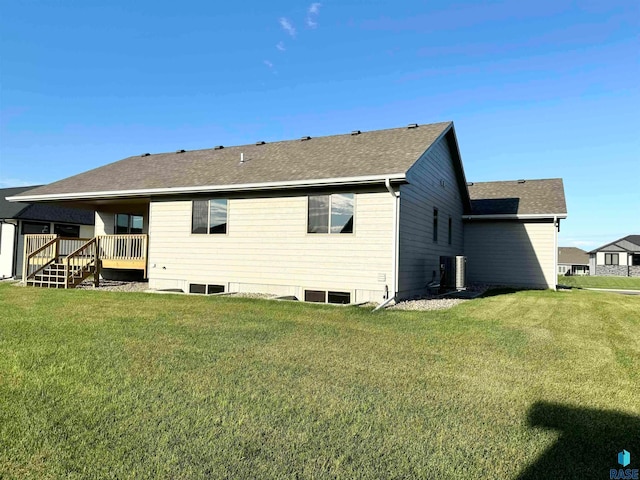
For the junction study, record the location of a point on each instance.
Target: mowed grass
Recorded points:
(122, 385)
(589, 281)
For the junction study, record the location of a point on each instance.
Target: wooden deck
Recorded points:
(74, 258)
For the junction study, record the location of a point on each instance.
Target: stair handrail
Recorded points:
(76, 254)
(27, 261)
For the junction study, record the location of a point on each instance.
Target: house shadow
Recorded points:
(588, 444)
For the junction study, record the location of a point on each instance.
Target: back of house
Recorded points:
(358, 217)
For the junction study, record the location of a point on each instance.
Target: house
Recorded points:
(19, 219)
(620, 258)
(363, 216)
(572, 261)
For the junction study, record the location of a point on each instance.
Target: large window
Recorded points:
(611, 259)
(331, 213)
(126, 223)
(67, 231)
(635, 261)
(30, 228)
(209, 216)
(435, 225)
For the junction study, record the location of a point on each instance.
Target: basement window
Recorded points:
(322, 296)
(209, 216)
(204, 289)
(611, 259)
(330, 213)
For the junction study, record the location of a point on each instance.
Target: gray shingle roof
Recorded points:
(630, 243)
(518, 198)
(40, 212)
(572, 256)
(380, 152)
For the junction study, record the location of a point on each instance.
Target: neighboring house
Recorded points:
(620, 258)
(572, 261)
(18, 219)
(345, 218)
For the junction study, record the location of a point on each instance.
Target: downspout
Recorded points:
(394, 244)
(556, 227)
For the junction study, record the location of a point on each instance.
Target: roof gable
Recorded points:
(630, 243)
(367, 154)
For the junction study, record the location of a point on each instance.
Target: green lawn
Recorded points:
(624, 283)
(122, 385)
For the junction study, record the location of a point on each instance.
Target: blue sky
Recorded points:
(536, 89)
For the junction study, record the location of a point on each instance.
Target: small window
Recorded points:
(31, 228)
(339, 297)
(435, 225)
(215, 289)
(209, 216)
(331, 213)
(611, 259)
(67, 231)
(128, 224)
(450, 230)
(197, 288)
(315, 296)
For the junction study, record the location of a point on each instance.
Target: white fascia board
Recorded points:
(328, 182)
(526, 216)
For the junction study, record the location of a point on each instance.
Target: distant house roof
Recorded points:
(630, 243)
(572, 256)
(339, 159)
(518, 197)
(40, 212)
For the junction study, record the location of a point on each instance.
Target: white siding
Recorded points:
(267, 248)
(105, 222)
(432, 183)
(514, 253)
(7, 236)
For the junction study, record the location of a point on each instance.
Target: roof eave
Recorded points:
(328, 182)
(523, 216)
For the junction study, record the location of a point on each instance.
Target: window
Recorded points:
(450, 230)
(67, 231)
(635, 261)
(30, 228)
(128, 224)
(202, 289)
(611, 259)
(435, 225)
(331, 213)
(322, 296)
(209, 216)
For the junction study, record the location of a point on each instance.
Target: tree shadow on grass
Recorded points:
(589, 441)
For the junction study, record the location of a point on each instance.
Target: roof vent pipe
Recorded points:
(241, 157)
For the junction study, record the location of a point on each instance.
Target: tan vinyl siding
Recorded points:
(514, 253)
(267, 248)
(419, 256)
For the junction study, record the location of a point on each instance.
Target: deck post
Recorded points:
(24, 256)
(96, 272)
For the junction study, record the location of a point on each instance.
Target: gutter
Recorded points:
(524, 216)
(326, 182)
(395, 244)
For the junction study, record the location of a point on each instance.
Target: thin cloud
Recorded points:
(280, 46)
(8, 182)
(287, 26)
(312, 14)
(268, 64)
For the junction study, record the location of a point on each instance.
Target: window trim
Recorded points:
(208, 200)
(610, 256)
(353, 229)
